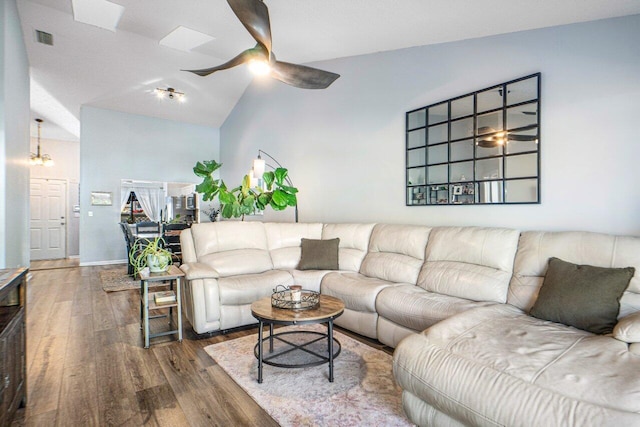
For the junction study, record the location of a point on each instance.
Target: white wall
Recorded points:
(345, 150)
(14, 140)
(117, 145)
(66, 157)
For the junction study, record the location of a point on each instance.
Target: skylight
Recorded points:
(101, 13)
(183, 38)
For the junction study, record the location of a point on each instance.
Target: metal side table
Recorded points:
(148, 304)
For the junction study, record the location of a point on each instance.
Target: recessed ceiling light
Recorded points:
(101, 13)
(183, 38)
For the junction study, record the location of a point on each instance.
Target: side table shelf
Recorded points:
(148, 304)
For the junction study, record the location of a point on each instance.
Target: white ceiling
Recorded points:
(118, 70)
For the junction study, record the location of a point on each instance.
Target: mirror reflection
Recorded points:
(438, 113)
(462, 107)
(490, 99)
(416, 119)
(479, 148)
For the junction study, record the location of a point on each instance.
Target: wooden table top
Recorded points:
(328, 307)
(172, 273)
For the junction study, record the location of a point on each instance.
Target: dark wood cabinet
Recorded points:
(13, 375)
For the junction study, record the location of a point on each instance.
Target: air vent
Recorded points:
(44, 38)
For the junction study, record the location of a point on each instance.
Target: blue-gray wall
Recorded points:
(115, 146)
(14, 140)
(345, 150)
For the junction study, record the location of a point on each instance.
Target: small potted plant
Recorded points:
(150, 253)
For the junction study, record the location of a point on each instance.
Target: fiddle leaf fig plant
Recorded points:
(244, 199)
(209, 187)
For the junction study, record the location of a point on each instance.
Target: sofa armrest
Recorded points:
(628, 329)
(198, 270)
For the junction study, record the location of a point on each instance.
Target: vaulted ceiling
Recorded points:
(119, 70)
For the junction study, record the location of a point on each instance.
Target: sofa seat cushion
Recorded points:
(247, 288)
(414, 308)
(358, 292)
(495, 365)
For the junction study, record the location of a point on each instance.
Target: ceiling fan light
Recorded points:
(259, 67)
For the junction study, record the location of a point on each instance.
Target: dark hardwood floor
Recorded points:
(86, 365)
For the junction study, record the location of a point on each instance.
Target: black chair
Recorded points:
(171, 237)
(129, 239)
(148, 227)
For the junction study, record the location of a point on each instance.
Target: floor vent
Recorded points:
(44, 38)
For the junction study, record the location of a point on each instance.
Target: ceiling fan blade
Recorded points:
(254, 15)
(302, 76)
(240, 59)
(513, 137)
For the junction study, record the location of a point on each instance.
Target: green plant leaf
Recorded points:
(292, 200)
(206, 168)
(268, 178)
(227, 211)
(279, 198)
(226, 197)
(281, 175)
(292, 190)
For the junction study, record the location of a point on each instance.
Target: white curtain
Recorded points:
(124, 197)
(151, 200)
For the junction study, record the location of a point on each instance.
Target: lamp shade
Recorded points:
(258, 168)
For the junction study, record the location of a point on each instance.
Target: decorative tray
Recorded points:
(294, 299)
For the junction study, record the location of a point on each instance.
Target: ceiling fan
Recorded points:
(497, 138)
(254, 15)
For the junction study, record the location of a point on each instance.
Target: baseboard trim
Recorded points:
(111, 262)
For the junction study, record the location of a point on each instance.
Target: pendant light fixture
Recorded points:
(37, 158)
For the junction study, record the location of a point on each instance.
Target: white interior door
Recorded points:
(48, 219)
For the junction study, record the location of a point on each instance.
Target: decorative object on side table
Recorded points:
(294, 298)
(150, 253)
(212, 213)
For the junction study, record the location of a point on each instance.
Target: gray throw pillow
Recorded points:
(319, 254)
(582, 296)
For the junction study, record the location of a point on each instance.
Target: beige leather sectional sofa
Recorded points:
(453, 301)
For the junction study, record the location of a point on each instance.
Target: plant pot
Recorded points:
(158, 263)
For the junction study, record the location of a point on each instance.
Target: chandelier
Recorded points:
(37, 158)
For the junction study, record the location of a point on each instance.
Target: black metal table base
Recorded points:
(333, 348)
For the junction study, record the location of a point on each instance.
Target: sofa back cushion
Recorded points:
(232, 247)
(578, 247)
(354, 241)
(470, 262)
(396, 252)
(284, 240)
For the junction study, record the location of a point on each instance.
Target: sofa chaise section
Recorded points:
(497, 365)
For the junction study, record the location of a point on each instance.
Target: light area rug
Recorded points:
(364, 392)
(114, 280)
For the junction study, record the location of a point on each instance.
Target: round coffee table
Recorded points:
(327, 310)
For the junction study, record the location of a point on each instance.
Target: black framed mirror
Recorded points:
(479, 148)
